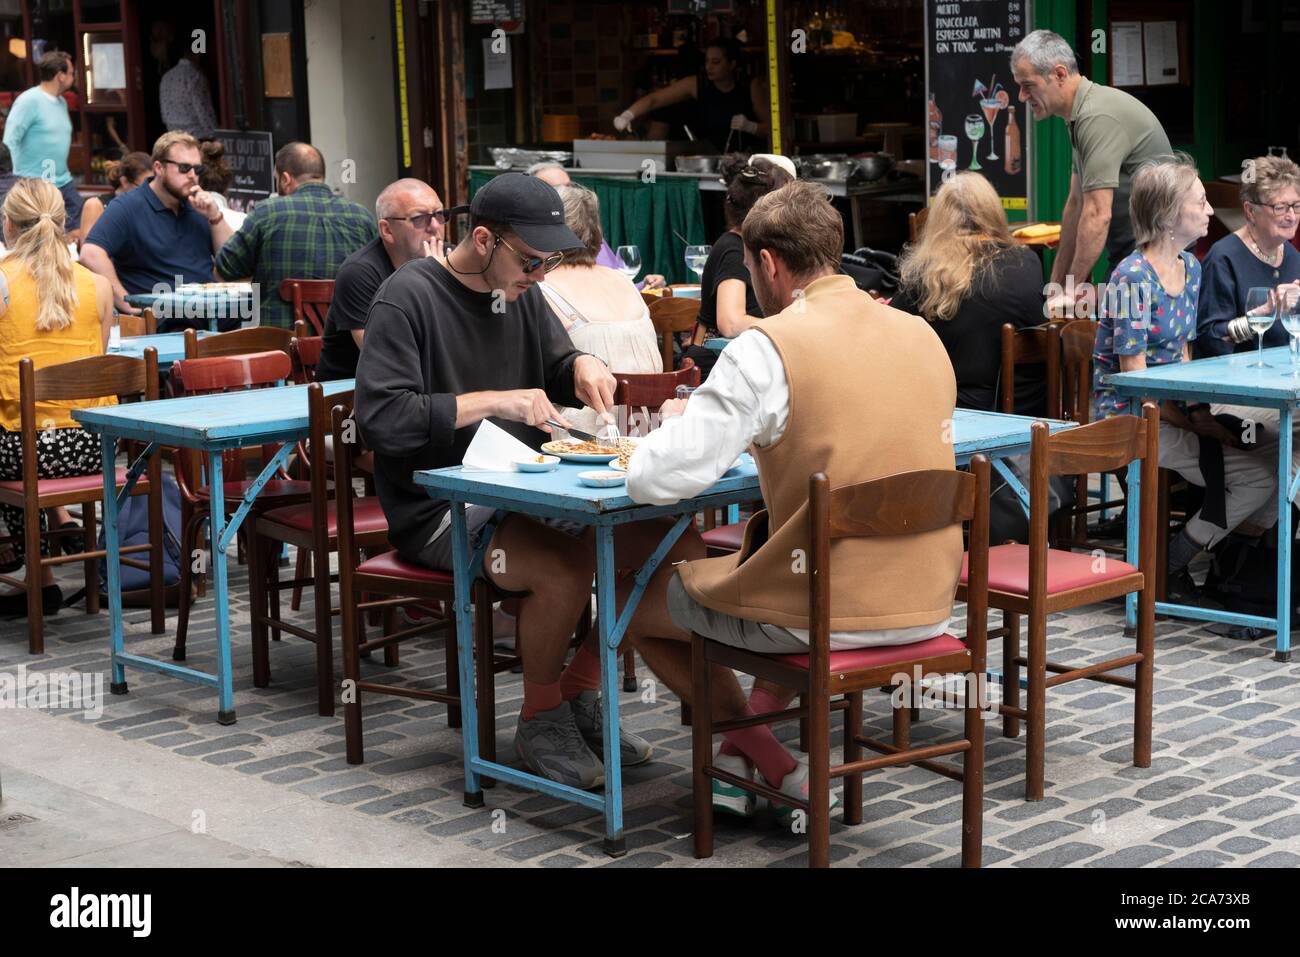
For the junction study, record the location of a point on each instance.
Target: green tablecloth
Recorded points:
(645, 215)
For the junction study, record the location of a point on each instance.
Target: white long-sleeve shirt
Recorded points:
(746, 401)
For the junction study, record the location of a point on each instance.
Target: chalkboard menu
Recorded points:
(974, 120)
(496, 11)
(250, 156)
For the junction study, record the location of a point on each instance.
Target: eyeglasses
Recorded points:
(421, 220)
(185, 168)
(531, 263)
(1280, 209)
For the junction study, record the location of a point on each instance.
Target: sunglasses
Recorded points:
(531, 263)
(185, 168)
(421, 220)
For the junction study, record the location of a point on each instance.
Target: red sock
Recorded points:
(540, 697)
(582, 674)
(760, 745)
(761, 701)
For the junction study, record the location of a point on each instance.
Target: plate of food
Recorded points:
(597, 479)
(537, 463)
(571, 450)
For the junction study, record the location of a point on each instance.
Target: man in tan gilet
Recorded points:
(831, 381)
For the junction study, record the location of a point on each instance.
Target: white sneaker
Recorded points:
(728, 798)
(795, 784)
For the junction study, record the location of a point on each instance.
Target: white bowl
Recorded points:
(548, 463)
(602, 479)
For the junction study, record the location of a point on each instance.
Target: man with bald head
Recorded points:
(557, 176)
(411, 222)
(306, 232)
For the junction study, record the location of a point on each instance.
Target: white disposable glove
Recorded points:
(623, 120)
(743, 123)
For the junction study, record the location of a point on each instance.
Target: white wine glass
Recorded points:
(1261, 313)
(696, 257)
(629, 261)
(1289, 307)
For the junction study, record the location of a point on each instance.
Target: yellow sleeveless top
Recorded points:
(19, 339)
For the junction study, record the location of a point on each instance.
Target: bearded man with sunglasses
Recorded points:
(411, 221)
(451, 342)
(162, 234)
(306, 232)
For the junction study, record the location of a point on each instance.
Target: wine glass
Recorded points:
(974, 133)
(629, 261)
(696, 257)
(1261, 312)
(1290, 310)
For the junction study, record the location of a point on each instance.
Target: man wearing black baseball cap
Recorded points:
(449, 344)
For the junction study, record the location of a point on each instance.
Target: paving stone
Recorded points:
(275, 762)
(354, 795)
(1277, 859)
(1168, 788)
(403, 799)
(1242, 845)
(1063, 855)
(1038, 835)
(1257, 809)
(1193, 833)
(1197, 805)
(219, 744)
(228, 757)
(1280, 829)
(1200, 859)
(1139, 856)
(289, 775)
(1105, 811)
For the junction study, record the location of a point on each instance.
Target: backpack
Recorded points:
(133, 529)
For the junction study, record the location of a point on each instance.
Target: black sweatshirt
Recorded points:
(428, 340)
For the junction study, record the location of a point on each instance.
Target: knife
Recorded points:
(578, 433)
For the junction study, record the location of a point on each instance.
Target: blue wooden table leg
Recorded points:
(108, 446)
(606, 617)
(1284, 542)
(1131, 544)
(463, 575)
(220, 591)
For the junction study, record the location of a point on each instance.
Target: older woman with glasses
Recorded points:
(1260, 253)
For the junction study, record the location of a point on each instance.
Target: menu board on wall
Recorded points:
(974, 120)
(250, 157)
(496, 11)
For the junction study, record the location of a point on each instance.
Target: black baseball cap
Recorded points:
(530, 207)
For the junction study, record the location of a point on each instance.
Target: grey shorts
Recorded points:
(690, 615)
(437, 553)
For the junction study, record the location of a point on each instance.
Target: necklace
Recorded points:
(1254, 246)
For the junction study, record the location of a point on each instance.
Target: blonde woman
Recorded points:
(599, 307)
(966, 276)
(52, 310)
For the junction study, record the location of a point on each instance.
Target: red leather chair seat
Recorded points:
(59, 486)
(729, 537)
(367, 517)
(861, 659)
(390, 566)
(1009, 570)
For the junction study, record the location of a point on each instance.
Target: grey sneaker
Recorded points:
(590, 719)
(551, 745)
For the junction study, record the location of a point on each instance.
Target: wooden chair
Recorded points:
(387, 575)
(142, 325)
(650, 298)
(1031, 345)
(1037, 581)
(89, 378)
(670, 317)
(904, 504)
(311, 300)
(304, 356)
(238, 342)
(225, 373)
(313, 528)
(916, 222)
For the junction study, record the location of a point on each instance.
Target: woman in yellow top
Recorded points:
(52, 310)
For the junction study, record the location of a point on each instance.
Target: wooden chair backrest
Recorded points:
(238, 342)
(916, 222)
(1078, 339)
(310, 299)
(669, 317)
(1033, 345)
(653, 389)
(304, 354)
(142, 325)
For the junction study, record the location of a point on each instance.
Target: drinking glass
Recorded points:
(1261, 312)
(629, 261)
(696, 257)
(974, 133)
(947, 155)
(1290, 310)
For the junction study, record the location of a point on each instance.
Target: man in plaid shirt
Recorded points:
(304, 233)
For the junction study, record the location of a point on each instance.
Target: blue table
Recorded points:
(559, 494)
(211, 424)
(170, 347)
(211, 304)
(1229, 380)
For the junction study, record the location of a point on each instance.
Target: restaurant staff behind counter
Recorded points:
(719, 106)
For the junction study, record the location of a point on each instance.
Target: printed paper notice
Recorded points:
(496, 66)
(108, 67)
(1160, 41)
(1126, 54)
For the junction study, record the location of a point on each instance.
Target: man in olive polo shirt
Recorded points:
(1112, 134)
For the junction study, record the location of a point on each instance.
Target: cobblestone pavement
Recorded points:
(1222, 788)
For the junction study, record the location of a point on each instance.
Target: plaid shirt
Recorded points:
(305, 235)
